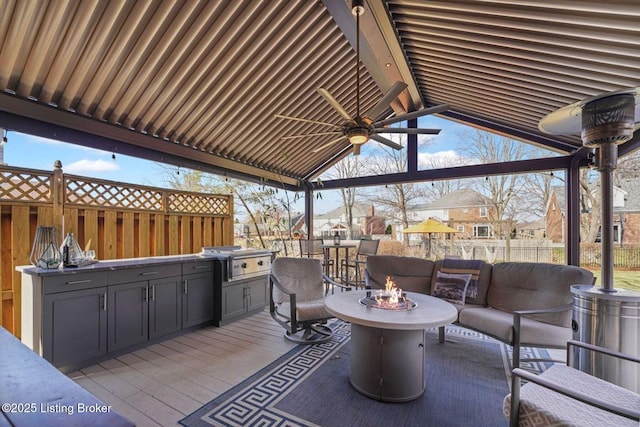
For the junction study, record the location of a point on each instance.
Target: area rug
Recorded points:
(466, 378)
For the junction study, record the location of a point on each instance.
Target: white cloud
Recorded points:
(442, 159)
(84, 166)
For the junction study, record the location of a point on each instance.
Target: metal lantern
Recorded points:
(46, 248)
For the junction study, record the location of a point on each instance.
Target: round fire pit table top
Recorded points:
(430, 311)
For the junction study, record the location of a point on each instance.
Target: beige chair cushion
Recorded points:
(302, 276)
(305, 310)
(525, 286)
(542, 407)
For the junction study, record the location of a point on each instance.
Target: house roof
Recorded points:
(198, 83)
(358, 210)
(462, 198)
(628, 186)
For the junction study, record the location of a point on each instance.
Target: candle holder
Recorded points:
(45, 252)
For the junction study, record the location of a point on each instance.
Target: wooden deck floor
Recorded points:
(162, 383)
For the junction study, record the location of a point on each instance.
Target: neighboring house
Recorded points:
(365, 222)
(532, 230)
(626, 212)
(466, 210)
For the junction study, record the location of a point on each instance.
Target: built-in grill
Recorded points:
(240, 281)
(238, 263)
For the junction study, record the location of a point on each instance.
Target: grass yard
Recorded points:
(623, 279)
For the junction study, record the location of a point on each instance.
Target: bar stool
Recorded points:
(366, 247)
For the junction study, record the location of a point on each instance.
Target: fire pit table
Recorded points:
(387, 345)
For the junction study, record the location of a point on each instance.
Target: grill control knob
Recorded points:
(243, 265)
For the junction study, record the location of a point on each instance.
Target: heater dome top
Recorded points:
(568, 119)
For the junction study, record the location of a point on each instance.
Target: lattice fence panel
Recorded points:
(24, 187)
(198, 204)
(96, 193)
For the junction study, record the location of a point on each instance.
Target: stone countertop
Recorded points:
(430, 312)
(36, 394)
(116, 264)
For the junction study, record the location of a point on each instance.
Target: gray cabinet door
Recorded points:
(233, 301)
(75, 326)
(128, 315)
(256, 294)
(197, 299)
(165, 306)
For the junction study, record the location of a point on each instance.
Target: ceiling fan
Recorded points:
(359, 129)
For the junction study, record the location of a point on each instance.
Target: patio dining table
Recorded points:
(335, 274)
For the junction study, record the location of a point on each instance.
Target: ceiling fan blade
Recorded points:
(414, 115)
(409, 130)
(383, 104)
(335, 104)
(385, 141)
(300, 119)
(328, 144)
(311, 134)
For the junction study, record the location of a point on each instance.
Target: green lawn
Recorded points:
(623, 279)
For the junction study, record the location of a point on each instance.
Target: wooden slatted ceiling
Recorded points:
(203, 79)
(512, 62)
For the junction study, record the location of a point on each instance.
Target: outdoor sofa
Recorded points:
(518, 303)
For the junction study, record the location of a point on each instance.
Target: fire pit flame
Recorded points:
(390, 298)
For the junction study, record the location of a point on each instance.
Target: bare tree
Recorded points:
(589, 206)
(349, 167)
(439, 189)
(396, 198)
(269, 209)
(485, 147)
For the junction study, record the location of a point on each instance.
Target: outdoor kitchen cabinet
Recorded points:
(75, 326)
(76, 317)
(72, 322)
(147, 306)
(242, 298)
(198, 293)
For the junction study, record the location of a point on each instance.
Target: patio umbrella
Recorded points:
(429, 226)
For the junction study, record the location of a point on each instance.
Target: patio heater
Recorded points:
(603, 315)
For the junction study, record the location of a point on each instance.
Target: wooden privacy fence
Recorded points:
(115, 219)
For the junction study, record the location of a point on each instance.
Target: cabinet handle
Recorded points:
(199, 267)
(145, 293)
(149, 273)
(78, 282)
(186, 286)
(153, 293)
(104, 307)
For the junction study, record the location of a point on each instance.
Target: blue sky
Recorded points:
(38, 153)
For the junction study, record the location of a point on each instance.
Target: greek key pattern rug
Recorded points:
(255, 401)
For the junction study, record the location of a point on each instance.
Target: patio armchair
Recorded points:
(297, 289)
(563, 395)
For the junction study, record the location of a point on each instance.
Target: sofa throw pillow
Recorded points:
(451, 287)
(464, 266)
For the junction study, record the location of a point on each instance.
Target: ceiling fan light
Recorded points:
(358, 136)
(357, 7)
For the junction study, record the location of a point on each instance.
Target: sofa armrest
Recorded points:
(516, 327)
(557, 309)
